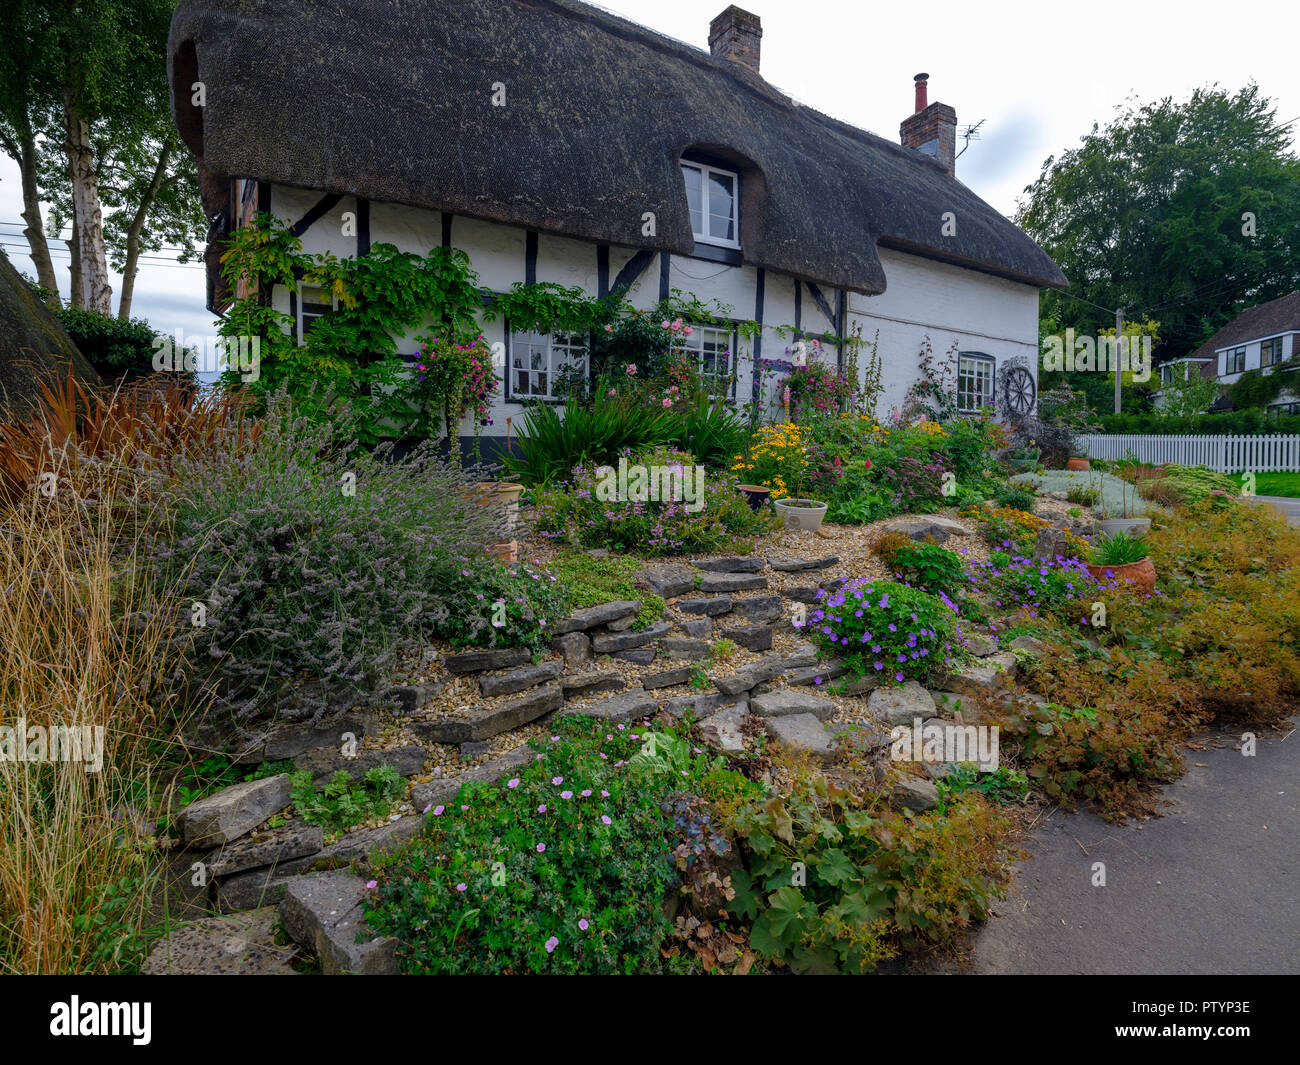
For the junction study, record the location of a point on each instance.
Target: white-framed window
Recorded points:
(975, 377)
(713, 347)
(537, 359)
(1270, 352)
(713, 196)
(314, 303)
(1234, 361)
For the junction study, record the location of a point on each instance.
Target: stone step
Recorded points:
(601, 614)
(684, 647)
(609, 642)
(723, 729)
(484, 724)
(592, 683)
(667, 580)
(480, 661)
(622, 707)
(324, 762)
(802, 732)
(701, 706)
(260, 887)
(827, 671)
(759, 609)
(233, 812)
(668, 678)
(803, 565)
(442, 790)
(575, 647)
(238, 945)
(731, 582)
(729, 564)
(748, 677)
(285, 741)
(271, 848)
(899, 705)
(510, 681)
(323, 912)
(712, 607)
(750, 637)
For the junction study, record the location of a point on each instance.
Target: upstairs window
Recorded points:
(974, 382)
(713, 196)
(1235, 361)
(314, 303)
(537, 361)
(1270, 352)
(713, 348)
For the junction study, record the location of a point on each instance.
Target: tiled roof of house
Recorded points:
(1266, 320)
(392, 101)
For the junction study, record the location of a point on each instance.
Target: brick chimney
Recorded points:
(932, 129)
(736, 35)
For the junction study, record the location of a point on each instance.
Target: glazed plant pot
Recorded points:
(1077, 464)
(1131, 526)
(803, 514)
(1142, 574)
(755, 494)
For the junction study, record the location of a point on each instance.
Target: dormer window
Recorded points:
(713, 196)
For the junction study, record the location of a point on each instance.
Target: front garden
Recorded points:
(663, 737)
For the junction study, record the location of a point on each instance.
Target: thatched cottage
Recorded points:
(542, 136)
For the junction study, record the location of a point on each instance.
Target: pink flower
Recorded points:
(605, 819)
(557, 781)
(583, 924)
(631, 369)
(514, 783)
(586, 793)
(664, 325)
(438, 811)
(566, 795)
(687, 331)
(461, 887)
(542, 809)
(551, 944)
(541, 847)
(668, 402)
(371, 885)
(609, 329)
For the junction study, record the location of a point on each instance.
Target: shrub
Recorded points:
(1193, 484)
(586, 581)
(583, 511)
(1016, 500)
(904, 633)
(1086, 495)
(116, 349)
(343, 802)
(315, 561)
(777, 458)
(552, 442)
(490, 604)
(931, 567)
(563, 869)
(917, 484)
(875, 882)
(888, 544)
(708, 431)
(1002, 785)
(1006, 527)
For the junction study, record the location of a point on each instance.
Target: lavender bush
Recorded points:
(314, 561)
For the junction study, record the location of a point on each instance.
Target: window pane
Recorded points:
(694, 196)
(722, 207)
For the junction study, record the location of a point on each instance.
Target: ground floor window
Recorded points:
(974, 382)
(538, 361)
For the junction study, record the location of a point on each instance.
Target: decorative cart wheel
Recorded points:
(1019, 391)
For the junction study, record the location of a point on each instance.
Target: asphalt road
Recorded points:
(1289, 507)
(1212, 887)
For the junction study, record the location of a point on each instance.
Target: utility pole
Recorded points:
(1119, 339)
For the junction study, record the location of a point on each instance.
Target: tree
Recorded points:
(1188, 212)
(1187, 394)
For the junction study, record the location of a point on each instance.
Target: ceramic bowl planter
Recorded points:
(1077, 464)
(1132, 526)
(1142, 574)
(504, 494)
(803, 514)
(755, 494)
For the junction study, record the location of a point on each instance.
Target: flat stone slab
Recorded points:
(485, 724)
(667, 678)
(819, 674)
(1032, 644)
(616, 708)
(802, 732)
(804, 654)
(592, 683)
(490, 658)
(684, 647)
(442, 790)
(712, 606)
(982, 678)
(898, 706)
(729, 564)
(575, 647)
(697, 628)
(323, 913)
(723, 729)
(233, 812)
(980, 646)
(732, 582)
(259, 887)
(642, 656)
(515, 680)
(601, 614)
(364, 845)
(750, 637)
(787, 702)
(758, 609)
(667, 580)
(701, 706)
(272, 848)
(604, 643)
(803, 565)
(914, 794)
(237, 945)
(748, 677)
(949, 703)
(410, 697)
(285, 741)
(324, 762)
(939, 529)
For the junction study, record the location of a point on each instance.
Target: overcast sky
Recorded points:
(1038, 74)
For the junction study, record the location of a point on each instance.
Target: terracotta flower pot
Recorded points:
(1077, 464)
(506, 551)
(504, 494)
(1142, 574)
(755, 494)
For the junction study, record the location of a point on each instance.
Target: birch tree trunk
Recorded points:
(77, 298)
(89, 223)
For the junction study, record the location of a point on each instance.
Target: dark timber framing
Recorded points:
(631, 273)
(602, 271)
(530, 258)
(447, 216)
(363, 226)
(323, 207)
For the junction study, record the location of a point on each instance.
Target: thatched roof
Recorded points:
(32, 344)
(392, 100)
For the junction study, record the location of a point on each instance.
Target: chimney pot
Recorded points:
(736, 35)
(921, 80)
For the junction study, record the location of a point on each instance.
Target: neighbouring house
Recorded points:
(541, 138)
(1265, 338)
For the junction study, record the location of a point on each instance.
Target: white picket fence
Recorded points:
(1226, 454)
